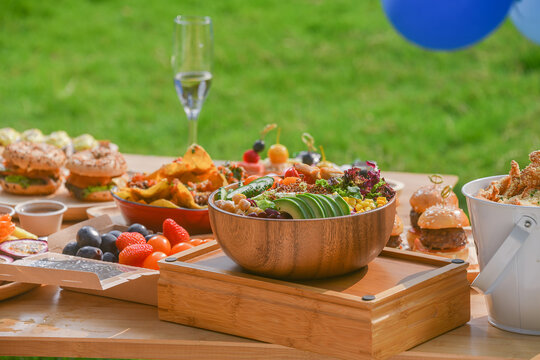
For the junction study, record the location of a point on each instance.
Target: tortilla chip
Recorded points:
(183, 197)
(125, 194)
(164, 203)
(161, 190)
(217, 179)
(197, 158)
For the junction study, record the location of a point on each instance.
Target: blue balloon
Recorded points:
(525, 15)
(446, 24)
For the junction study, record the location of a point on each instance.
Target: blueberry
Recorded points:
(109, 257)
(309, 158)
(70, 248)
(115, 233)
(90, 252)
(258, 146)
(149, 236)
(88, 236)
(108, 243)
(141, 229)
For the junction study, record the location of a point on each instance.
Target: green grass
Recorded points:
(335, 69)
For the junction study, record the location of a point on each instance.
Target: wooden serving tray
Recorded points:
(9, 289)
(399, 300)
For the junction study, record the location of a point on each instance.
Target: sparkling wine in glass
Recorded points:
(192, 65)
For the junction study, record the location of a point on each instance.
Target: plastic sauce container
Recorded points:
(41, 217)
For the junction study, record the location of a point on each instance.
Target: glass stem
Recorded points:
(192, 130)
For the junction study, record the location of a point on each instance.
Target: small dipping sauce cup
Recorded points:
(41, 217)
(4, 209)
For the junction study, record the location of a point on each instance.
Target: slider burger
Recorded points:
(31, 168)
(395, 237)
(92, 172)
(441, 232)
(423, 198)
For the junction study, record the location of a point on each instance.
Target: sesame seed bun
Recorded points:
(443, 217)
(83, 195)
(456, 253)
(48, 188)
(100, 161)
(34, 156)
(430, 195)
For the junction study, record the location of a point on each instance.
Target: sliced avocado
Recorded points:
(291, 207)
(313, 204)
(322, 204)
(328, 207)
(342, 204)
(337, 207)
(303, 204)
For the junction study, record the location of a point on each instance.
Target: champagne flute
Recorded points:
(192, 64)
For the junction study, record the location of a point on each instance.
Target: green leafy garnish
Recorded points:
(91, 189)
(23, 180)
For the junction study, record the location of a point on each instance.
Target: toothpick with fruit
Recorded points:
(278, 157)
(251, 159)
(311, 156)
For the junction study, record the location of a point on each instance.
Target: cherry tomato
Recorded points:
(151, 261)
(160, 243)
(180, 247)
(196, 242)
(291, 172)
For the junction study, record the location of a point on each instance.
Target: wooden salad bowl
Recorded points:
(302, 249)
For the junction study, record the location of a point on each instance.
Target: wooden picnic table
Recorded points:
(48, 321)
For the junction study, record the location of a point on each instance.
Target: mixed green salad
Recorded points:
(305, 197)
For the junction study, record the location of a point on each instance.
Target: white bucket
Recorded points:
(507, 239)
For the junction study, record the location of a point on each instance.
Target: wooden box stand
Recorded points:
(399, 300)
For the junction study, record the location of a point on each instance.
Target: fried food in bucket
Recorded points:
(520, 187)
(186, 182)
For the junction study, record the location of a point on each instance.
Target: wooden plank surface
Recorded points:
(51, 322)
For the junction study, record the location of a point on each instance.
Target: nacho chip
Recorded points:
(164, 203)
(198, 159)
(161, 190)
(217, 179)
(125, 194)
(183, 197)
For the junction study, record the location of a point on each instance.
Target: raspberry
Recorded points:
(135, 254)
(174, 232)
(129, 238)
(251, 156)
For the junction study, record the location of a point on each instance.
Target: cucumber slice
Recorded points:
(254, 188)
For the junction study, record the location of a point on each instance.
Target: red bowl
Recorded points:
(195, 221)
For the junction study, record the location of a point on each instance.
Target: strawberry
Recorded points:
(135, 254)
(174, 232)
(251, 156)
(129, 238)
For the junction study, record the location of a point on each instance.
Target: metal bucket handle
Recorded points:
(490, 275)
